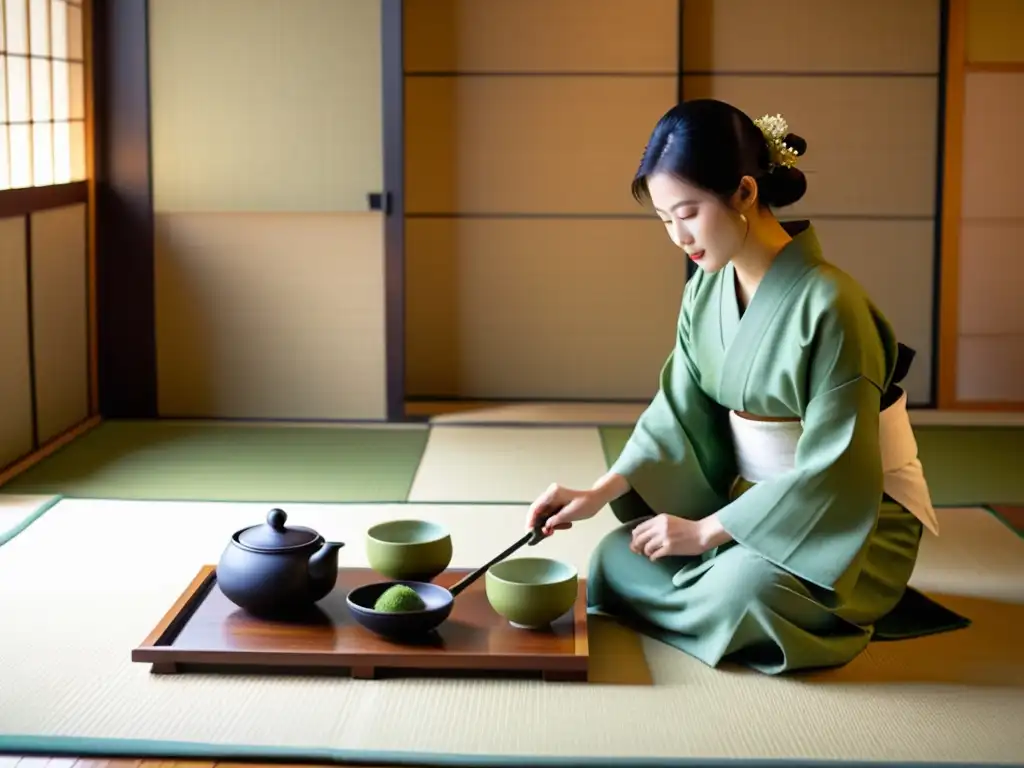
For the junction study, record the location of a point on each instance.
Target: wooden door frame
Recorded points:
(393, 98)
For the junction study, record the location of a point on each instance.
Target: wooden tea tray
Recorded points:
(205, 632)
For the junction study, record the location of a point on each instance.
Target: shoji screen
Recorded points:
(859, 80)
(42, 93)
(44, 316)
(531, 272)
(990, 353)
(267, 139)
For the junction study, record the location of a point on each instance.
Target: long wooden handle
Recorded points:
(465, 581)
(530, 538)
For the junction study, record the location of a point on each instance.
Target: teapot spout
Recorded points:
(323, 569)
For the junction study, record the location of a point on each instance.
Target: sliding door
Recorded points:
(267, 141)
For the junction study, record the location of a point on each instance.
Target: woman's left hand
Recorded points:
(665, 535)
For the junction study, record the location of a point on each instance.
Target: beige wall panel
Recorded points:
(991, 277)
(432, 301)
(545, 308)
(811, 36)
(991, 368)
(541, 36)
(854, 165)
(270, 316)
(15, 375)
(893, 260)
(993, 152)
(530, 144)
(995, 31)
(265, 105)
(60, 318)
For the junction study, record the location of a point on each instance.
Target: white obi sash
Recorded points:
(765, 449)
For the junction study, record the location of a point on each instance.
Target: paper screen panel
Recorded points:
(272, 105)
(15, 376)
(991, 368)
(16, 37)
(270, 315)
(993, 151)
(60, 318)
(991, 277)
(542, 308)
(528, 144)
(803, 36)
(852, 167)
(541, 36)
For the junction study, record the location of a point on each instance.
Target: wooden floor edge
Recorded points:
(58, 442)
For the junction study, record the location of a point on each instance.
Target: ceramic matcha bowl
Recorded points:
(531, 592)
(408, 550)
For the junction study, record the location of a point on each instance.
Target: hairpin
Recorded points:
(776, 130)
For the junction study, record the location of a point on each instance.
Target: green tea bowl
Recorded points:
(409, 550)
(531, 592)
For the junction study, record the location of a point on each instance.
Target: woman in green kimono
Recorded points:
(770, 495)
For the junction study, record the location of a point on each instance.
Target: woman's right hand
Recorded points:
(560, 507)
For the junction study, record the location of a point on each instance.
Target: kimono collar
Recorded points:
(805, 242)
(741, 334)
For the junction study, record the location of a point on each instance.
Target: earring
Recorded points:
(746, 227)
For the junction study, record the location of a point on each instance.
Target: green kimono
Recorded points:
(820, 558)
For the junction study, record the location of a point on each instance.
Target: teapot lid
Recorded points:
(275, 535)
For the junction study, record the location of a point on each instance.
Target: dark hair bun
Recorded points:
(782, 187)
(796, 143)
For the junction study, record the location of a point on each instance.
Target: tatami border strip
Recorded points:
(11, 533)
(991, 509)
(173, 750)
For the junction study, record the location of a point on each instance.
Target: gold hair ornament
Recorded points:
(775, 130)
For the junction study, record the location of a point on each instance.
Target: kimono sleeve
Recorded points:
(814, 520)
(679, 457)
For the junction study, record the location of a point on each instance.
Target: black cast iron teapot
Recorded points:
(272, 570)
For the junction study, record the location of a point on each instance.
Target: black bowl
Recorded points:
(405, 624)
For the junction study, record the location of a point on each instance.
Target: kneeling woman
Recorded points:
(771, 498)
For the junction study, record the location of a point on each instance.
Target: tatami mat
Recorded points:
(169, 459)
(542, 413)
(975, 555)
(19, 510)
(507, 464)
(510, 460)
(95, 576)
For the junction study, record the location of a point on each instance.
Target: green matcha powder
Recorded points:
(399, 598)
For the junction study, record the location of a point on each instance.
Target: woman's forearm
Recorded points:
(609, 487)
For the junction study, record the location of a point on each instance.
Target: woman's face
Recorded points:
(710, 232)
